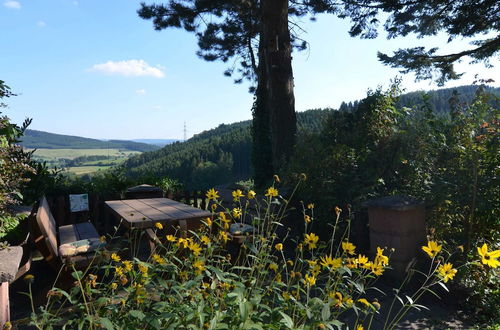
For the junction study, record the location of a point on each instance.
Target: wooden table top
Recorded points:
(144, 213)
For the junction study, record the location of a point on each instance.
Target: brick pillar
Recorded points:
(397, 222)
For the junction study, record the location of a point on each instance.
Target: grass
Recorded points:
(55, 157)
(105, 162)
(48, 154)
(80, 170)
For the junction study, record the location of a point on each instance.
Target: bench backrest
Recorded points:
(48, 228)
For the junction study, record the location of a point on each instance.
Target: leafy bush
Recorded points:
(14, 164)
(448, 160)
(169, 185)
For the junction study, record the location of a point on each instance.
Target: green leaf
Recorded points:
(241, 268)
(325, 312)
(154, 323)
(102, 301)
(105, 322)
(444, 286)
(421, 306)
(77, 275)
(218, 273)
(434, 293)
(137, 314)
(336, 323)
(64, 293)
(286, 320)
(401, 300)
(245, 309)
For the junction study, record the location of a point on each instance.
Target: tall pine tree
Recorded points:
(257, 35)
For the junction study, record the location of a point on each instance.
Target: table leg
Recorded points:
(184, 229)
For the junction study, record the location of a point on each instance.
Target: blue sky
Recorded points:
(95, 69)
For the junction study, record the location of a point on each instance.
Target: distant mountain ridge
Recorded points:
(44, 140)
(222, 154)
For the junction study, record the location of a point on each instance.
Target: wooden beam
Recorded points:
(4, 304)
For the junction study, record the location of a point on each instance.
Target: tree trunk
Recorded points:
(275, 54)
(262, 160)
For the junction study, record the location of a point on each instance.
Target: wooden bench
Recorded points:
(46, 238)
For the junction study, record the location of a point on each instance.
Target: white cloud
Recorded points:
(41, 23)
(134, 68)
(12, 4)
(157, 107)
(140, 91)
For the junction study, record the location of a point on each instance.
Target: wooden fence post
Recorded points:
(203, 204)
(4, 303)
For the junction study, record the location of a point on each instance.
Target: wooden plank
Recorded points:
(86, 230)
(170, 211)
(149, 211)
(194, 212)
(142, 213)
(124, 211)
(131, 217)
(47, 226)
(25, 261)
(67, 234)
(4, 304)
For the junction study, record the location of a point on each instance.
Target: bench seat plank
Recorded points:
(77, 232)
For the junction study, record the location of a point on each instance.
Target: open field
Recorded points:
(80, 170)
(73, 153)
(71, 159)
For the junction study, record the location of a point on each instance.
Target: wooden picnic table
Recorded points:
(145, 213)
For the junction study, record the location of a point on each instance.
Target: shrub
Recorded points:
(14, 164)
(449, 160)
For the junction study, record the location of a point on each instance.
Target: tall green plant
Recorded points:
(14, 162)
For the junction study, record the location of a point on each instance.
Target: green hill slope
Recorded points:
(43, 140)
(222, 154)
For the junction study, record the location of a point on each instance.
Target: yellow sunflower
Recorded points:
(212, 194)
(489, 258)
(432, 248)
(446, 272)
(311, 240)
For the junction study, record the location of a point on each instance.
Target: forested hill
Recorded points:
(222, 154)
(39, 139)
(439, 100)
(206, 158)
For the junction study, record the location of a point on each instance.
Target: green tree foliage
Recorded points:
(227, 146)
(458, 19)
(381, 149)
(439, 100)
(14, 164)
(256, 34)
(179, 160)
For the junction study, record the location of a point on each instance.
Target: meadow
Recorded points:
(82, 161)
(74, 153)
